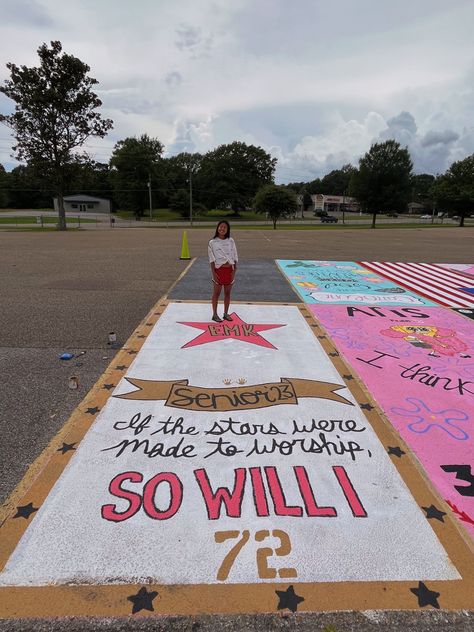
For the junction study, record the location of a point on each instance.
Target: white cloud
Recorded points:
(319, 81)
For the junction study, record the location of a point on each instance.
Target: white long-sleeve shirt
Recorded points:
(222, 251)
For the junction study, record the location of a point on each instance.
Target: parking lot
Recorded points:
(68, 291)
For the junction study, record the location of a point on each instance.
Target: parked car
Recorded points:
(329, 219)
(425, 217)
(392, 214)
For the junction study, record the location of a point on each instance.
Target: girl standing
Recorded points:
(223, 259)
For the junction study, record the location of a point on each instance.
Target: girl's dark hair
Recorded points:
(223, 221)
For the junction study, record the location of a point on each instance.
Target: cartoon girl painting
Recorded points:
(437, 339)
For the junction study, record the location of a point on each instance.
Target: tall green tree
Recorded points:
(297, 187)
(92, 178)
(27, 190)
(4, 198)
(382, 182)
(180, 172)
(454, 191)
(307, 200)
(315, 186)
(336, 182)
(230, 176)
(421, 188)
(135, 162)
(55, 113)
(275, 202)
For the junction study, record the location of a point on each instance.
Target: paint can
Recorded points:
(73, 382)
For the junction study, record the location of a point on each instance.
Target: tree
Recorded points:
(26, 189)
(54, 115)
(92, 178)
(230, 176)
(314, 186)
(134, 163)
(180, 202)
(297, 187)
(4, 198)
(382, 182)
(421, 188)
(337, 181)
(455, 189)
(306, 201)
(276, 202)
(180, 170)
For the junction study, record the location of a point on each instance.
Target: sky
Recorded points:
(314, 83)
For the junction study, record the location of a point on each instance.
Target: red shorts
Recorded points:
(224, 275)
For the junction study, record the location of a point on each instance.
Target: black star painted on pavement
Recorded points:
(288, 599)
(367, 407)
(149, 324)
(434, 512)
(141, 336)
(348, 377)
(66, 447)
(121, 367)
(132, 352)
(426, 597)
(108, 387)
(143, 600)
(396, 451)
(92, 411)
(25, 511)
(321, 337)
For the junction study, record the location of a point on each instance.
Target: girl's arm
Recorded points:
(236, 256)
(236, 259)
(213, 272)
(212, 261)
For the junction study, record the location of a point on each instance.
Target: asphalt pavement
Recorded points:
(67, 291)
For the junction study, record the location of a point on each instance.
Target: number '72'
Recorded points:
(263, 553)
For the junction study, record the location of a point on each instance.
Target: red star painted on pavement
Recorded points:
(236, 329)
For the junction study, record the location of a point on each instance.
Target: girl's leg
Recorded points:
(215, 298)
(227, 289)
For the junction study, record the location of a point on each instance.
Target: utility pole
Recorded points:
(149, 193)
(191, 195)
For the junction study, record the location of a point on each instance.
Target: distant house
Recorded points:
(414, 207)
(84, 204)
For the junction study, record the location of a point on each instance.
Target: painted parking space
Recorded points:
(418, 363)
(256, 280)
(237, 467)
(444, 286)
(346, 283)
(420, 368)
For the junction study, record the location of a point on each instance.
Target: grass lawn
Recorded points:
(26, 219)
(34, 229)
(166, 214)
(242, 226)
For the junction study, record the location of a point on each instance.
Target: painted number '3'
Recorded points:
(263, 553)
